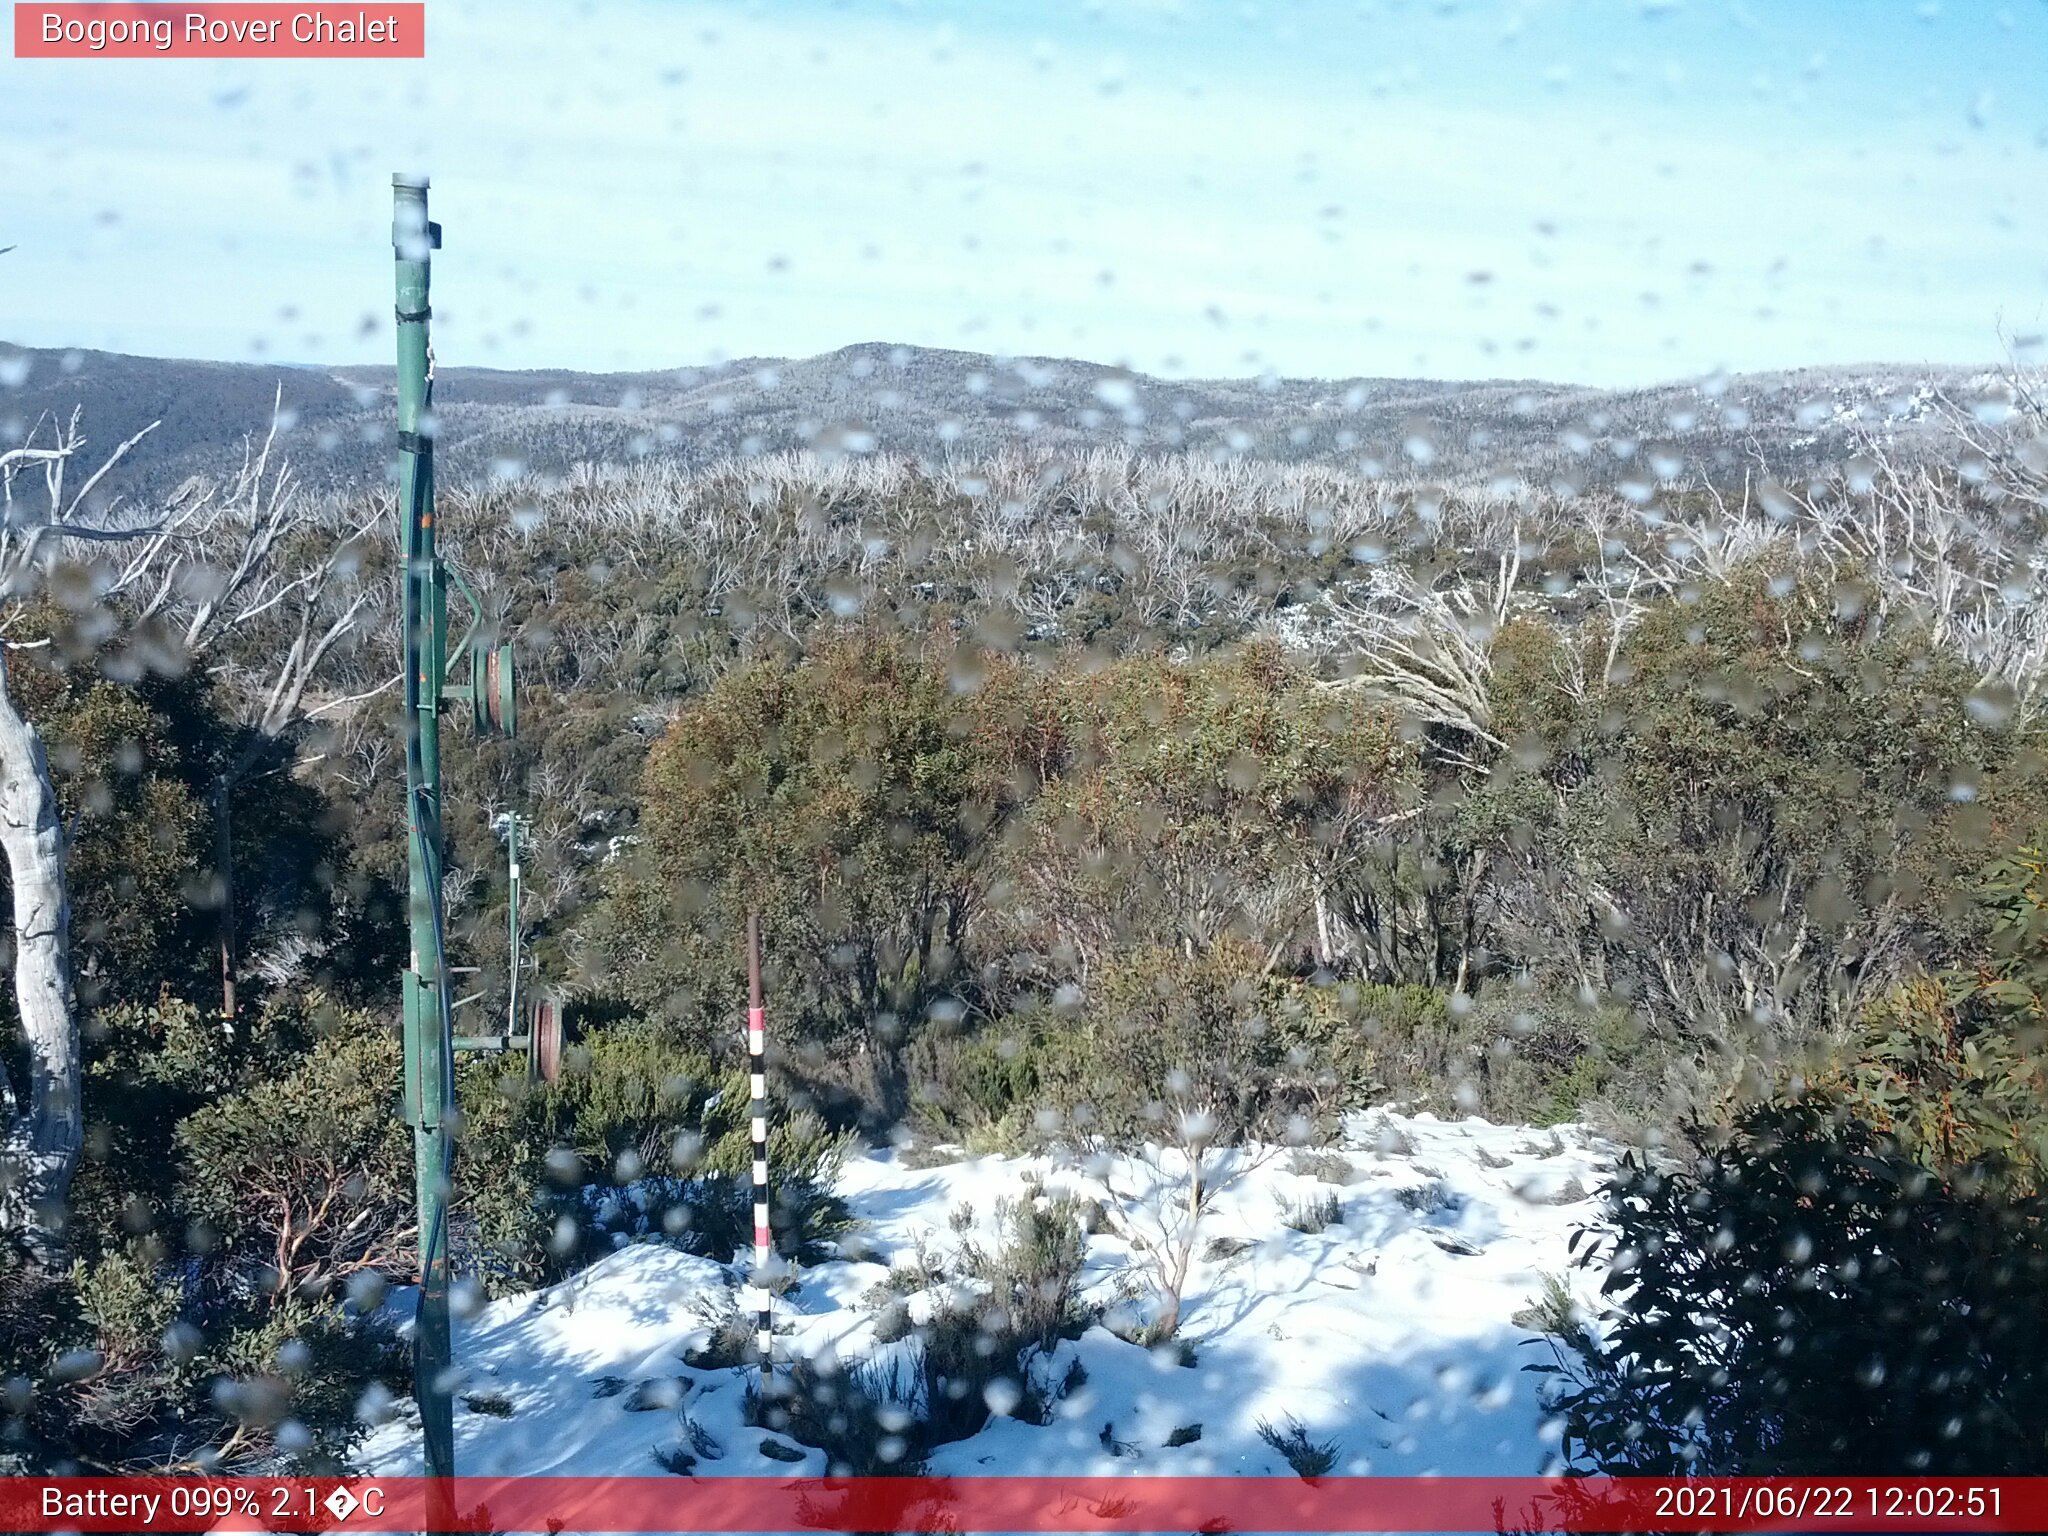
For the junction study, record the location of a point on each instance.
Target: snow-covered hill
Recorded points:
(1391, 1333)
(942, 405)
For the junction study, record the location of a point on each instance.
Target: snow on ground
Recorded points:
(1389, 1333)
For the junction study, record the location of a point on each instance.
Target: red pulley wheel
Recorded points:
(493, 712)
(547, 1038)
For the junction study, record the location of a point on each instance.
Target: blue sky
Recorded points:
(1609, 191)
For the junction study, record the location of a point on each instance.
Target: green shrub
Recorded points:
(1310, 1458)
(298, 1373)
(501, 1223)
(639, 1139)
(732, 1342)
(1735, 828)
(1807, 1300)
(147, 1370)
(1553, 1310)
(235, 1182)
(1375, 1039)
(626, 1092)
(1165, 1041)
(849, 799)
(1951, 1064)
(149, 1066)
(1955, 1076)
(941, 1380)
(307, 1178)
(1031, 1278)
(131, 1307)
(1176, 1059)
(847, 1413)
(1521, 1052)
(976, 1082)
(136, 823)
(41, 1323)
(1194, 804)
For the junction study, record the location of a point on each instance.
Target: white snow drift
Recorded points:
(1391, 1333)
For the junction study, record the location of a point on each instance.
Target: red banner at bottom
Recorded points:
(987, 1504)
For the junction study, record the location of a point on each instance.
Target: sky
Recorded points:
(1609, 192)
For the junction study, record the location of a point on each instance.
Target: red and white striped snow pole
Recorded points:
(757, 1065)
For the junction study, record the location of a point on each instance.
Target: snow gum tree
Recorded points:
(44, 1128)
(87, 582)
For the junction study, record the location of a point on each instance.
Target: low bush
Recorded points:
(238, 1182)
(295, 1381)
(1521, 1051)
(848, 1414)
(954, 1371)
(1326, 1166)
(152, 1065)
(1806, 1299)
(41, 1323)
(1312, 1214)
(306, 1178)
(639, 1140)
(1190, 1069)
(1310, 1458)
(731, 1342)
(940, 1380)
(1032, 1277)
(673, 1458)
(138, 1366)
(981, 1085)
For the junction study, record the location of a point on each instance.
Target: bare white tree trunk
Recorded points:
(237, 547)
(43, 1137)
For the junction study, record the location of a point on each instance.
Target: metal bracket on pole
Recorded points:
(410, 227)
(476, 619)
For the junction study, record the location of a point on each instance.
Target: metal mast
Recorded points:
(429, 1026)
(430, 1004)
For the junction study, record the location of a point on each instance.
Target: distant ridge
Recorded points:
(882, 398)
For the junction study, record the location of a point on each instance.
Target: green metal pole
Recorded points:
(429, 1036)
(512, 922)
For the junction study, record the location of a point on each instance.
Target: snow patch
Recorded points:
(1389, 1332)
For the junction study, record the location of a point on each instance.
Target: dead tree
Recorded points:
(214, 568)
(43, 1130)
(1426, 648)
(269, 580)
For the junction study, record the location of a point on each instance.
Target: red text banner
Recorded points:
(988, 1504)
(371, 30)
